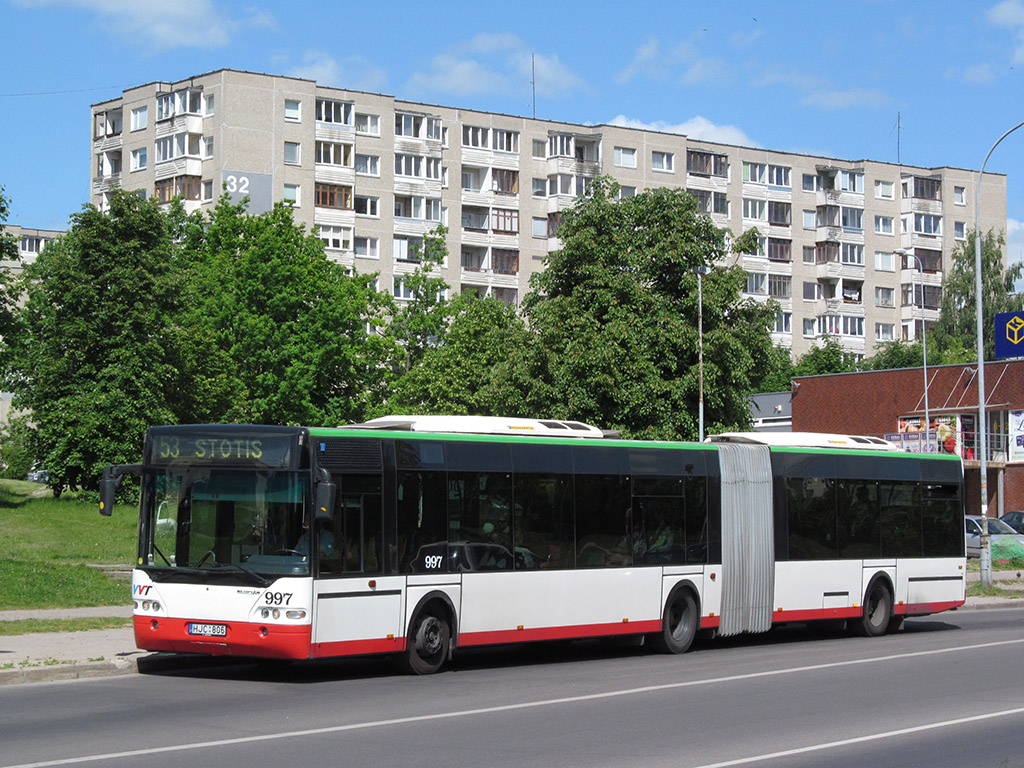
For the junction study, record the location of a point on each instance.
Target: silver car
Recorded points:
(997, 529)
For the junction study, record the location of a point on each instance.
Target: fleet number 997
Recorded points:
(277, 598)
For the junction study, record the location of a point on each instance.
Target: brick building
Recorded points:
(891, 404)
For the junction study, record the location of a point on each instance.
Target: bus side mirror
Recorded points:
(112, 477)
(325, 491)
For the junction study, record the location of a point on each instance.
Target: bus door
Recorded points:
(358, 608)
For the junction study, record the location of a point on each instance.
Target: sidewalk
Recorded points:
(102, 652)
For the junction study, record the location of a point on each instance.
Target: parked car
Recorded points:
(38, 476)
(997, 529)
(1015, 520)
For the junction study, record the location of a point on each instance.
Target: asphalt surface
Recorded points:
(102, 652)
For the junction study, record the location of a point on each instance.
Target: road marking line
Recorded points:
(861, 739)
(552, 702)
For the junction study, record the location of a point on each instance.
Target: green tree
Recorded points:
(828, 358)
(284, 328)
(615, 312)
(418, 322)
(457, 374)
(955, 333)
(9, 253)
(895, 354)
(91, 355)
(777, 374)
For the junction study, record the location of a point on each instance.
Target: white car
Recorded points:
(997, 529)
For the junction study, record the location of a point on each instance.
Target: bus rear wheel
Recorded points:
(877, 614)
(427, 646)
(678, 623)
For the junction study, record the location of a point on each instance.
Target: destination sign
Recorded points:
(271, 448)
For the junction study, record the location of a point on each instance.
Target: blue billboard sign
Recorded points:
(1010, 334)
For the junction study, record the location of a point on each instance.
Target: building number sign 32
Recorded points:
(237, 184)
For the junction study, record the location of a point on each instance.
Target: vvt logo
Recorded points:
(1010, 334)
(141, 590)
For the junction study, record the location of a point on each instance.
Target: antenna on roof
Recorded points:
(533, 82)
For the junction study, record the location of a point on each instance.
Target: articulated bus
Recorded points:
(418, 536)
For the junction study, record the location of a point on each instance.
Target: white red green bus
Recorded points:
(419, 536)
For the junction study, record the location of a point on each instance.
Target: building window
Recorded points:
(140, 118)
(852, 253)
(959, 230)
(754, 172)
(783, 322)
(367, 206)
(435, 131)
(706, 163)
(826, 253)
(780, 214)
(409, 165)
(851, 181)
(540, 227)
(505, 141)
(506, 182)
(367, 165)
(884, 262)
(662, 161)
(852, 218)
(809, 183)
(852, 326)
(779, 175)
(625, 192)
(809, 257)
(291, 194)
(884, 331)
(333, 196)
(406, 249)
(507, 296)
(139, 158)
(336, 238)
(505, 220)
(31, 244)
(292, 155)
(625, 157)
(883, 225)
(884, 190)
(757, 283)
(208, 105)
(505, 262)
(540, 149)
(408, 125)
(959, 196)
(755, 209)
(207, 147)
(368, 124)
(336, 112)
(561, 145)
(810, 327)
(779, 249)
(474, 136)
(813, 291)
(780, 286)
(885, 297)
(540, 187)
(911, 295)
(208, 190)
(927, 189)
(365, 247)
(292, 110)
(186, 187)
(927, 223)
(331, 153)
(810, 219)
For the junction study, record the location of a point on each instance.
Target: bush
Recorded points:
(17, 448)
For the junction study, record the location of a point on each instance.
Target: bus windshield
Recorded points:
(244, 520)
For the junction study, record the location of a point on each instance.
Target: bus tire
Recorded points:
(877, 613)
(427, 646)
(679, 623)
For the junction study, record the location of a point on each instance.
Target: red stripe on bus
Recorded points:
(924, 609)
(240, 639)
(557, 633)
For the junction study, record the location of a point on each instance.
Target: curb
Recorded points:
(54, 672)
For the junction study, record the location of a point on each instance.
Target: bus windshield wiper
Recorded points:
(263, 581)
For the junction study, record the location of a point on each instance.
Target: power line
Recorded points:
(59, 93)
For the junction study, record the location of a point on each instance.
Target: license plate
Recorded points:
(208, 630)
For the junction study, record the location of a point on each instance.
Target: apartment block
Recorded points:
(855, 249)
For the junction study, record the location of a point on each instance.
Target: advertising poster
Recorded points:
(1016, 436)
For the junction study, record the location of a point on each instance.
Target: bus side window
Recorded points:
(422, 522)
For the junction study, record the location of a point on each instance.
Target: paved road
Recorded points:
(947, 691)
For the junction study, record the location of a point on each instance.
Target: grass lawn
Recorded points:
(48, 544)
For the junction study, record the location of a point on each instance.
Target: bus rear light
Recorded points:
(264, 631)
(154, 624)
(295, 614)
(372, 584)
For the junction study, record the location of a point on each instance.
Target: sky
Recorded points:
(928, 83)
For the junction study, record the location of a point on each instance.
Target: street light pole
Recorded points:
(924, 347)
(986, 549)
(700, 272)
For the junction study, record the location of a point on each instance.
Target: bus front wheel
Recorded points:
(678, 623)
(427, 646)
(877, 614)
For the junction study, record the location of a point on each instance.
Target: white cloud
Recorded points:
(705, 71)
(652, 62)
(695, 128)
(745, 39)
(494, 63)
(979, 74)
(1010, 14)
(353, 72)
(850, 98)
(161, 26)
